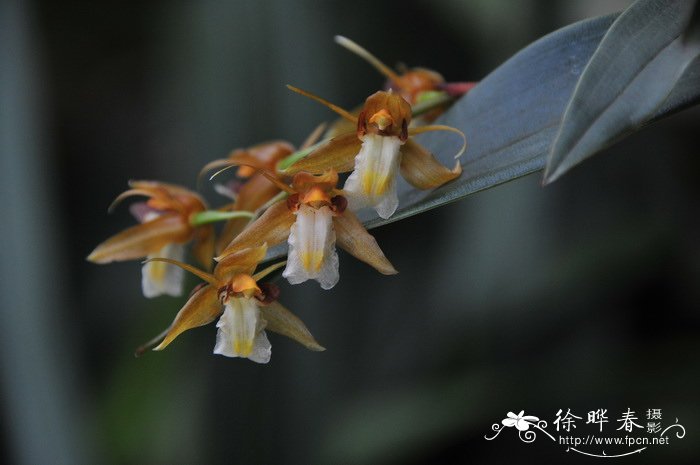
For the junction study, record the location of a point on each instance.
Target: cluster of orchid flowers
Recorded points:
(279, 195)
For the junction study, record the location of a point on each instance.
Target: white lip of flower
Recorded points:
(241, 331)
(373, 182)
(157, 278)
(312, 253)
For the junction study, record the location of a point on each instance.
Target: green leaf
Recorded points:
(633, 71)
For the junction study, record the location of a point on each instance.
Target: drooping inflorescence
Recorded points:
(281, 195)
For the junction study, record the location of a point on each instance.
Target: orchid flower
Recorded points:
(164, 230)
(251, 191)
(415, 84)
(312, 219)
(245, 308)
(424, 89)
(376, 150)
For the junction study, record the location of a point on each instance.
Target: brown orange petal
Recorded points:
(242, 261)
(255, 193)
(352, 236)
(440, 127)
(417, 80)
(337, 154)
(272, 227)
(385, 113)
(420, 168)
(247, 162)
(269, 153)
(143, 239)
(231, 229)
(202, 308)
(203, 247)
(282, 321)
(304, 181)
(146, 192)
(173, 190)
(244, 283)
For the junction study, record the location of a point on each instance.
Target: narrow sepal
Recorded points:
(337, 154)
(142, 240)
(267, 271)
(422, 170)
(202, 308)
(272, 227)
(340, 111)
(282, 321)
(441, 127)
(352, 237)
(242, 261)
(187, 267)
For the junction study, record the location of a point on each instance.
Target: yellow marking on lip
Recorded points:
(312, 261)
(157, 271)
(243, 348)
(374, 184)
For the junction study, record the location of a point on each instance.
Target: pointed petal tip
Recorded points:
(98, 257)
(551, 175)
(162, 345)
(389, 271)
(316, 347)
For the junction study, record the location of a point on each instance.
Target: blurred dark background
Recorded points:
(582, 295)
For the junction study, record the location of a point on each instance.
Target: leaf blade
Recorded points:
(630, 75)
